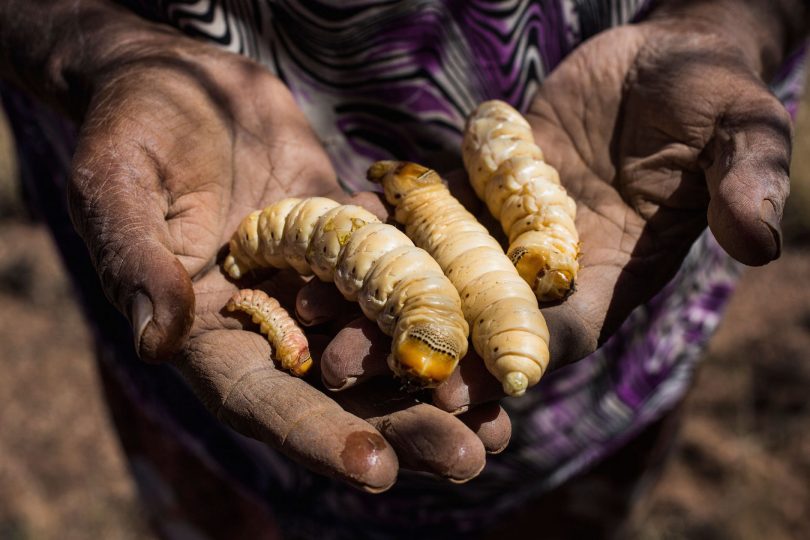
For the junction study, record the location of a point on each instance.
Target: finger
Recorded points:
(748, 178)
(429, 440)
(470, 384)
(492, 425)
(357, 353)
(424, 438)
(118, 208)
(319, 302)
(231, 371)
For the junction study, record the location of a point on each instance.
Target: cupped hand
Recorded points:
(658, 129)
(178, 144)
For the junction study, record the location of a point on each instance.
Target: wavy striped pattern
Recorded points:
(389, 79)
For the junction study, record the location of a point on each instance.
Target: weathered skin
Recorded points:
(507, 328)
(507, 170)
(397, 284)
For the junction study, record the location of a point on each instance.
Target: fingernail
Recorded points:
(768, 215)
(462, 477)
(348, 382)
(460, 410)
(496, 451)
(142, 312)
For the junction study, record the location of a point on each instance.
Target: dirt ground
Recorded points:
(741, 469)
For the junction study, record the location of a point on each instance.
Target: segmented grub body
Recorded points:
(508, 330)
(396, 284)
(507, 170)
(289, 343)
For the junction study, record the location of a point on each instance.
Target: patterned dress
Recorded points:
(380, 80)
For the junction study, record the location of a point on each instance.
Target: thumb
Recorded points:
(748, 176)
(118, 207)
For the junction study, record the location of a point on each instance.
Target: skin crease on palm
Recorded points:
(655, 129)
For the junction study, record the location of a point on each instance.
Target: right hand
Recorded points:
(179, 143)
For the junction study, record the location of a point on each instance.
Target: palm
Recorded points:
(225, 146)
(219, 158)
(227, 158)
(640, 155)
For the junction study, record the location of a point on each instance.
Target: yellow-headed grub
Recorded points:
(507, 171)
(508, 330)
(290, 347)
(396, 284)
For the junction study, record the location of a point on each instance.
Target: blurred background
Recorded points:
(741, 468)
